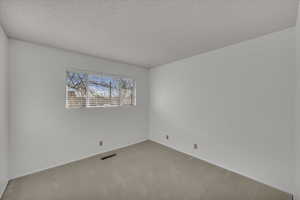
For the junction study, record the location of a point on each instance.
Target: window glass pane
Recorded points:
(76, 86)
(103, 91)
(127, 91)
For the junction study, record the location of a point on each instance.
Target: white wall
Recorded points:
(297, 127)
(236, 103)
(43, 133)
(297, 118)
(3, 112)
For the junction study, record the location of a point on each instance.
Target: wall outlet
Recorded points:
(100, 143)
(167, 137)
(195, 146)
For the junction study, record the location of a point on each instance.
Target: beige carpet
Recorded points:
(145, 171)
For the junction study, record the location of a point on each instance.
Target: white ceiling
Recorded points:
(144, 32)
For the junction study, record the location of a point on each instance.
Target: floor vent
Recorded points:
(109, 156)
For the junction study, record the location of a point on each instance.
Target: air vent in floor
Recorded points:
(109, 156)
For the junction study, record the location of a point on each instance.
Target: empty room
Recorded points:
(149, 100)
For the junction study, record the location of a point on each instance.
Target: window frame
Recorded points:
(101, 74)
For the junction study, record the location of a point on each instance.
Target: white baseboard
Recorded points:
(3, 186)
(71, 161)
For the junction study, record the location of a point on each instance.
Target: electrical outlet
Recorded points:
(195, 146)
(167, 137)
(101, 143)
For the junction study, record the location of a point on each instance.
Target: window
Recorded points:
(86, 90)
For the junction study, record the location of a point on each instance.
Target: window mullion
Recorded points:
(87, 92)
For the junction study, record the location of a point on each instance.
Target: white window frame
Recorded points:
(102, 74)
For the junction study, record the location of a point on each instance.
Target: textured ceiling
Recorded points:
(144, 32)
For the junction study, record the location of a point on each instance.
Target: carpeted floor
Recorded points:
(145, 171)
